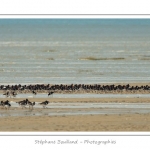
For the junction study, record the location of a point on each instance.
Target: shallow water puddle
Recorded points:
(61, 109)
(42, 95)
(89, 105)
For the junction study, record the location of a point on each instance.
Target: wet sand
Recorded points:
(98, 122)
(83, 100)
(134, 122)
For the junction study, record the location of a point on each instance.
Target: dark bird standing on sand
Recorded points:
(44, 103)
(34, 92)
(14, 94)
(23, 103)
(5, 104)
(1, 104)
(7, 94)
(26, 102)
(30, 104)
(50, 93)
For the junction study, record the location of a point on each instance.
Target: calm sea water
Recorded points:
(74, 51)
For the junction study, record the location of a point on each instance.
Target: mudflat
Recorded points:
(123, 122)
(82, 122)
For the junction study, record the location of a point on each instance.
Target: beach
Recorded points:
(58, 119)
(130, 122)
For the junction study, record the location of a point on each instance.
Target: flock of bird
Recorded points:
(24, 103)
(72, 87)
(6, 104)
(13, 93)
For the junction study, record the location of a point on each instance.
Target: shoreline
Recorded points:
(83, 100)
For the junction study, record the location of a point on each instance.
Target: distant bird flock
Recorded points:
(14, 89)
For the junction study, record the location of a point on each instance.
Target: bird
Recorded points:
(1, 104)
(23, 103)
(30, 104)
(44, 103)
(14, 94)
(50, 93)
(5, 104)
(34, 92)
(7, 94)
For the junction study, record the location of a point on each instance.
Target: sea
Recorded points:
(74, 51)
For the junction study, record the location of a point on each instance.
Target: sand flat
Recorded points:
(134, 122)
(98, 122)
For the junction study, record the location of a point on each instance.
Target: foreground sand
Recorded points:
(134, 122)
